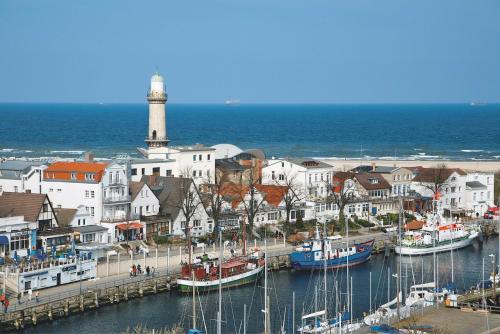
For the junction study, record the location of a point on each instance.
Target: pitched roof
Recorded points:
(365, 180)
(229, 165)
(234, 193)
(12, 169)
(21, 204)
(435, 174)
(65, 216)
(169, 191)
(384, 169)
(62, 170)
(274, 193)
(135, 188)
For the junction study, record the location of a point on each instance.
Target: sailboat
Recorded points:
(327, 325)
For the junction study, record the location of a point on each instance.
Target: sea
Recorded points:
(368, 131)
(166, 310)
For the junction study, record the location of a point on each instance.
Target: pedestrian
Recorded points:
(134, 269)
(6, 305)
(37, 295)
(153, 273)
(19, 298)
(147, 271)
(30, 293)
(139, 270)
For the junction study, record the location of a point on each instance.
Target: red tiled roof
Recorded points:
(274, 193)
(235, 192)
(62, 170)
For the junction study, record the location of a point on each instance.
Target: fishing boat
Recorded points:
(309, 256)
(437, 235)
(236, 271)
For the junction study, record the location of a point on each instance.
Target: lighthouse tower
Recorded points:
(157, 97)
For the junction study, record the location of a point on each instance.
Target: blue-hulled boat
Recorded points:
(310, 255)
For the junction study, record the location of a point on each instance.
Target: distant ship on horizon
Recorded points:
(477, 104)
(232, 102)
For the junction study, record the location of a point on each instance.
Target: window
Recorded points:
(156, 171)
(59, 206)
(194, 173)
(293, 214)
(281, 177)
(87, 193)
(50, 189)
(208, 157)
(92, 211)
(453, 189)
(282, 164)
(1, 189)
(147, 208)
(59, 190)
(366, 207)
(310, 178)
(143, 171)
(352, 209)
(92, 195)
(208, 172)
(194, 157)
(200, 173)
(169, 172)
(15, 189)
(474, 196)
(19, 242)
(199, 157)
(73, 175)
(134, 171)
(273, 176)
(196, 223)
(78, 222)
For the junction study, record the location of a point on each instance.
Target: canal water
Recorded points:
(169, 309)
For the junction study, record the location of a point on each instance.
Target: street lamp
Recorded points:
(493, 262)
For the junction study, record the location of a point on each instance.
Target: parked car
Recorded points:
(491, 213)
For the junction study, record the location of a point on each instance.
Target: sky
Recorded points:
(256, 51)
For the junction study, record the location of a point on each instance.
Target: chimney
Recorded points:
(88, 156)
(373, 166)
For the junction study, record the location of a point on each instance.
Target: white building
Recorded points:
(144, 201)
(312, 177)
(479, 192)
(21, 176)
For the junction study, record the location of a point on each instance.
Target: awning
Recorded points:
(4, 240)
(131, 226)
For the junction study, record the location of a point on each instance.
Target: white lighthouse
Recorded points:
(157, 97)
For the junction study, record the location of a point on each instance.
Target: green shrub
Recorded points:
(161, 239)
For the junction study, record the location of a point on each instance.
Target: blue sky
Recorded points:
(258, 51)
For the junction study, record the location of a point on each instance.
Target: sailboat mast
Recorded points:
(221, 256)
(398, 282)
(452, 236)
(347, 265)
(194, 302)
(266, 299)
(325, 266)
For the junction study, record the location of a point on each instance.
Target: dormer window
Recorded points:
(373, 181)
(89, 176)
(73, 175)
(453, 179)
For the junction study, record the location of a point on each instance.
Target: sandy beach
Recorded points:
(481, 166)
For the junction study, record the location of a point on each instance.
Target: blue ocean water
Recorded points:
(453, 131)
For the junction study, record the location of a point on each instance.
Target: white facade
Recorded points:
(479, 192)
(145, 203)
(21, 176)
(312, 180)
(115, 193)
(159, 167)
(19, 234)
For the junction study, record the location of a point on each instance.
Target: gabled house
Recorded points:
(174, 195)
(21, 176)
(25, 217)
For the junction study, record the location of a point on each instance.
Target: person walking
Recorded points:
(147, 271)
(6, 305)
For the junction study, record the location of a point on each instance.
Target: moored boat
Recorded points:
(310, 255)
(437, 236)
(236, 271)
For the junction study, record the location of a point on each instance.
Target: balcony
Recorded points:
(112, 200)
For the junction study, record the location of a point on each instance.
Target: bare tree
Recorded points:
(434, 179)
(291, 193)
(214, 192)
(186, 199)
(250, 200)
(341, 191)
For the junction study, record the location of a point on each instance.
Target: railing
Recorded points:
(116, 199)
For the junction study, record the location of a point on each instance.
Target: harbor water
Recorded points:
(169, 309)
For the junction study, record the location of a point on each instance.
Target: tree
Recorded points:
(186, 199)
(250, 200)
(341, 191)
(215, 195)
(434, 179)
(291, 193)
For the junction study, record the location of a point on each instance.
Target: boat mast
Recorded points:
(194, 302)
(452, 236)
(266, 298)
(219, 313)
(398, 282)
(347, 267)
(325, 266)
